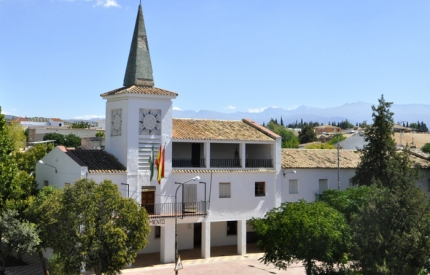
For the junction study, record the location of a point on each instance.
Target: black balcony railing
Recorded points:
(183, 209)
(259, 163)
(188, 162)
(225, 162)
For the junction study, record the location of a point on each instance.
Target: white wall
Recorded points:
(424, 183)
(68, 171)
(219, 235)
(116, 179)
(243, 204)
(308, 181)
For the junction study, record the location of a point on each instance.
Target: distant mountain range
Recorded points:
(354, 112)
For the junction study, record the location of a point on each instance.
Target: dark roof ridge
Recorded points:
(260, 128)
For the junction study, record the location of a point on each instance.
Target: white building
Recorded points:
(238, 162)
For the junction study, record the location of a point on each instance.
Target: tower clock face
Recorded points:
(149, 121)
(116, 117)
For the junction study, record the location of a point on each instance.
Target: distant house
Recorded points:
(326, 129)
(308, 172)
(400, 129)
(56, 122)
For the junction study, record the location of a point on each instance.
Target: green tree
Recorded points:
(380, 148)
(307, 134)
(100, 134)
(72, 140)
(17, 134)
(16, 237)
(80, 125)
(59, 138)
(109, 229)
(391, 232)
(426, 148)
(347, 201)
(44, 211)
(336, 138)
(289, 139)
(302, 231)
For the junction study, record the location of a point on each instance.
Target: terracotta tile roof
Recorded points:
(326, 126)
(318, 158)
(205, 129)
(420, 161)
(208, 171)
(97, 161)
(325, 158)
(19, 119)
(140, 90)
(57, 119)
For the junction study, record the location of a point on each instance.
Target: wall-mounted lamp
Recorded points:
(41, 162)
(292, 172)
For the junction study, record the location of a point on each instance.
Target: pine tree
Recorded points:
(380, 147)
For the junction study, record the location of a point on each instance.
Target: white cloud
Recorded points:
(87, 117)
(229, 107)
(107, 3)
(177, 109)
(292, 108)
(257, 110)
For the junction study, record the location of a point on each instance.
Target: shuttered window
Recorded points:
(224, 190)
(323, 185)
(294, 186)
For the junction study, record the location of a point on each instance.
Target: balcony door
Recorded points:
(195, 154)
(148, 200)
(190, 198)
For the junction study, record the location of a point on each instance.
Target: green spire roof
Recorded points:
(139, 68)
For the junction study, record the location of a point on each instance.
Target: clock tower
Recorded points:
(139, 115)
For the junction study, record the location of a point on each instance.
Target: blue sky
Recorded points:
(58, 56)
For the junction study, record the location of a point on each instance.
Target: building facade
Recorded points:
(242, 170)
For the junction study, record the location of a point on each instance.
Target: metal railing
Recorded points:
(259, 163)
(225, 162)
(188, 162)
(183, 209)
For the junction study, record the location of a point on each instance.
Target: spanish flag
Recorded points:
(160, 164)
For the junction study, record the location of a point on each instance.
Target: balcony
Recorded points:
(184, 209)
(188, 162)
(225, 163)
(259, 163)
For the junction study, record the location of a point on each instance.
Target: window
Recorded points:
(157, 232)
(46, 183)
(294, 186)
(260, 189)
(224, 190)
(323, 185)
(231, 228)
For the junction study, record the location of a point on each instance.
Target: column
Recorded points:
(167, 244)
(241, 237)
(242, 154)
(206, 240)
(207, 154)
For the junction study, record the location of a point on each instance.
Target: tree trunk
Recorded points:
(308, 267)
(3, 266)
(43, 263)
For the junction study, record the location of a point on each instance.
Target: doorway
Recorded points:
(195, 154)
(148, 201)
(197, 235)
